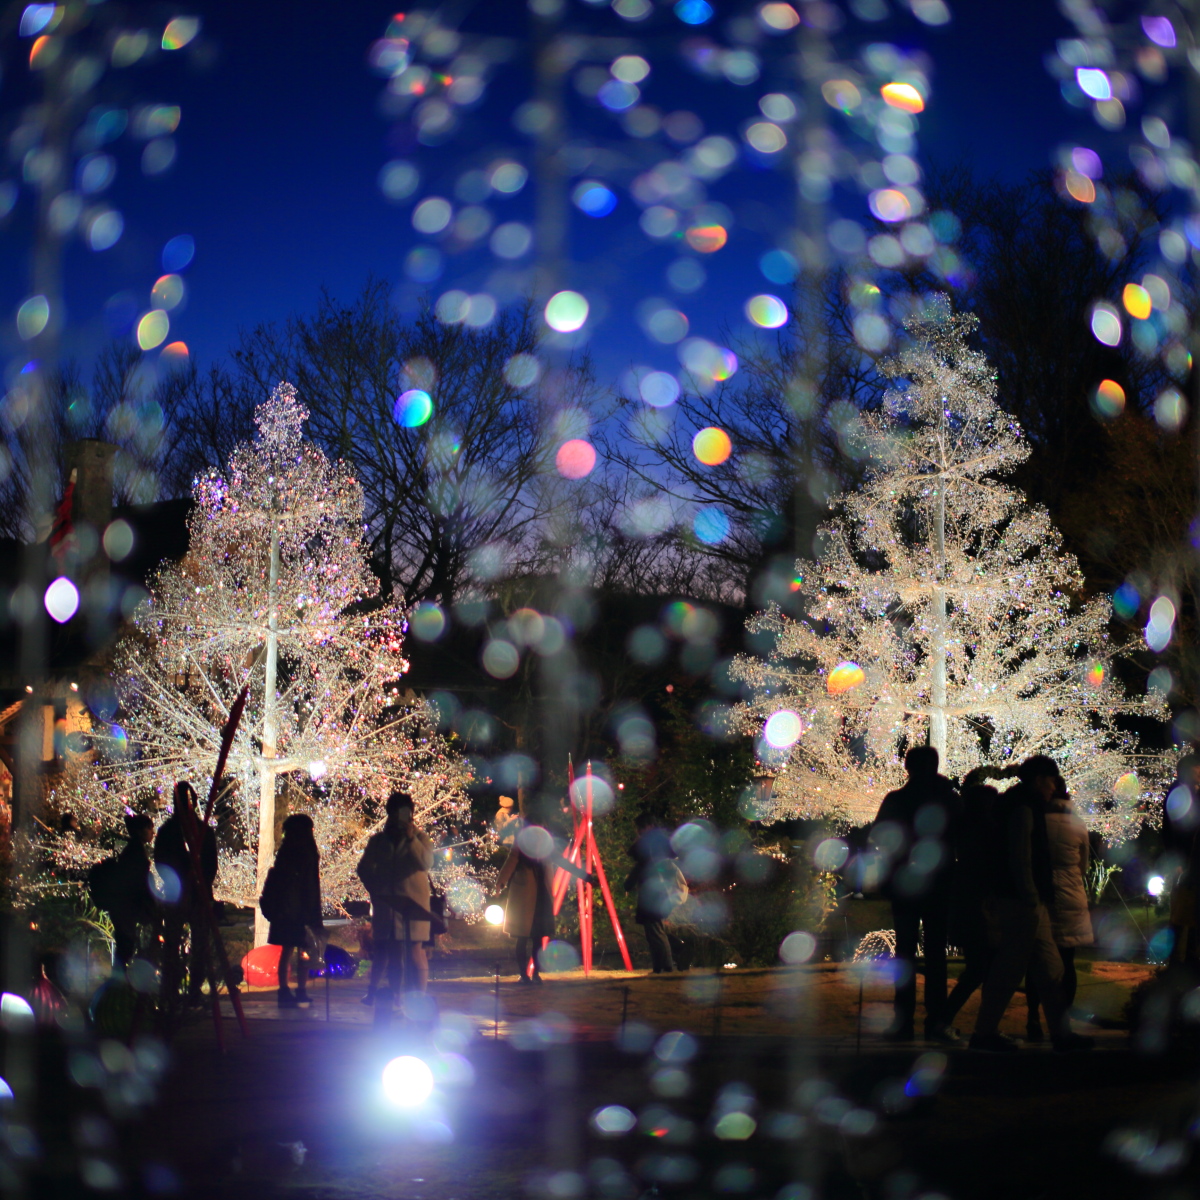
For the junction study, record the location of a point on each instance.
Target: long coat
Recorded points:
(1070, 853)
(529, 907)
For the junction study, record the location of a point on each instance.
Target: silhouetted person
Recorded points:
(394, 869)
(1181, 841)
(656, 879)
(915, 831)
(291, 902)
(528, 874)
(1070, 920)
(974, 887)
(68, 825)
(121, 887)
(180, 895)
(1021, 912)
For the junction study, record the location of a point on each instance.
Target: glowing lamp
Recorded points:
(844, 677)
(1155, 885)
(493, 914)
(407, 1081)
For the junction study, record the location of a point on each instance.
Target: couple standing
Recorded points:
(1010, 895)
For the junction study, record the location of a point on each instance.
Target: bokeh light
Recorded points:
(1108, 400)
(903, 96)
(1095, 674)
(175, 354)
(844, 677)
(167, 293)
(575, 459)
(62, 599)
(659, 389)
(32, 317)
(783, 729)
(1106, 324)
(494, 914)
(1137, 301)
(407, 1081)
(427, 622)
(711, 526)
(890, 204)
(178, 252)
(1127, 788)
(712, 446)
(594, 198)
(707, 239)
(179, 32)
(1094, 83)
(152, 329)
(413, 408)
(566, 312)
(766, 311)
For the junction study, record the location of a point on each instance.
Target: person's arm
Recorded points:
(1020, 855)
(421, 848)
(560, 862)
(506, 871)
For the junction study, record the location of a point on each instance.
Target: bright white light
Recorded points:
(407, 1081)
(62, 599)
(493, 914)
(1155, 885)
(317, 769)
(15, 1012)
(783, 729)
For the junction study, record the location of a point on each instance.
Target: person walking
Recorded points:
(1022, 931)
(660, 888)
(1070, 921)
(974, 887)
(291, 902)
(528, 874)
(121, 887)
(915, 831)
(394, 869)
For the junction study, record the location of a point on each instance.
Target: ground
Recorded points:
(297, 1108)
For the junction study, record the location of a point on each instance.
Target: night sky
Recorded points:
(281, 144)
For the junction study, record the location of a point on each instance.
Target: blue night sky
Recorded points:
(281, 143)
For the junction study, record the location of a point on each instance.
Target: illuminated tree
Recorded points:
(274, 592)
(941, 608)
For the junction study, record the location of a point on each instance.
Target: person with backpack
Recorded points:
(660, 886)
(394, 869)
(915, 832)
(291, 902)
(120, 886)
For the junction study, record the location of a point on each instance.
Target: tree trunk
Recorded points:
(937, 648)
(266, 767)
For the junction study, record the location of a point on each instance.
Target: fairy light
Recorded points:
(1024, 656)
(346, 734)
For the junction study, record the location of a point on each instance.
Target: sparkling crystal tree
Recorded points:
(942, 609)
(275, 592)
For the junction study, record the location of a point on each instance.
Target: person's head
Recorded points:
(139, 827)
(1040, 773)
(185, 796)
(68, 823)
(644, 821)
(400, 808)
(921, 762)
(299, 826)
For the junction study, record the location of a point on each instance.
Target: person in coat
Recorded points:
(1070, 921)
(127, 897)
(394, 869)
(916, 829)
(182, 899)
(291, 902)
(1020, 914)
(528, 874)
(655, 900)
